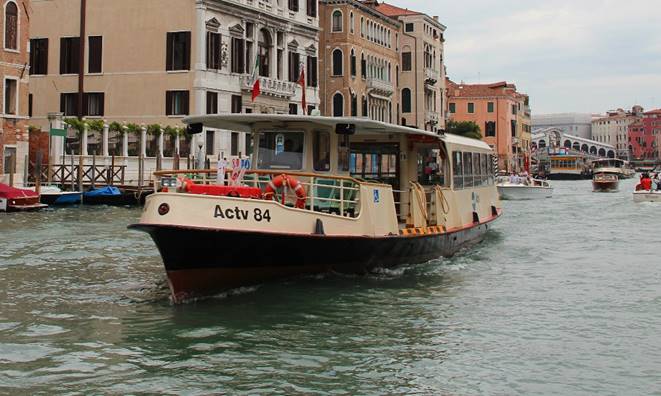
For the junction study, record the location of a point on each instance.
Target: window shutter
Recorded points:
(102, 104)
(186, 99)
(44, 57)
(168, 103)
(63, 55)
(169, 50)
(187, 51)
(86, 98)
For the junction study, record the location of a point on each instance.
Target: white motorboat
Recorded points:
(528, 189)
(647, 196)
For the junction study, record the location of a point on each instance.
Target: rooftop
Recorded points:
(501, 88)
(394, 11)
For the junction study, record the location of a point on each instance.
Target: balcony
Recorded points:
(380, 87)
(431, 76)
(431, 117)
(269, 86)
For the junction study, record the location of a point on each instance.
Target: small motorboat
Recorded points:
(53, 195)
(525, 189)
(18, 200)
(642, 195)
(605, 182)
(109, 195)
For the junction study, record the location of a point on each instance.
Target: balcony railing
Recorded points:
(380, 87)
(270, 86)
(431, 76)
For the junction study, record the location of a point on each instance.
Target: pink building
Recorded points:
(495, 108)
(645, 137)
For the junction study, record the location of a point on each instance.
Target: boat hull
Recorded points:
(647, 196)
(605, 186)
(218, 260)
(521, 193)
(63, 198)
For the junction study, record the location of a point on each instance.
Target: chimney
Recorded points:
(436, 17)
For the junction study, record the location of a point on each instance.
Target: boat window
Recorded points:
(428, 168)
(468, 170)
(343, 153)
(457, 170)
(477, 174)
(281, 150)
(484, 169)
(321, 151)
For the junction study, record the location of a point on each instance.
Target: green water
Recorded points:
(563, 297)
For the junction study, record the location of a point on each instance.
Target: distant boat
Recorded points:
(109, 195)
(535, 189)
(605, 182)
(52, 195)
(18, 200)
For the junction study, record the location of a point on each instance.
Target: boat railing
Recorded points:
(339, 195)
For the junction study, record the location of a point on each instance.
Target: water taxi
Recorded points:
(605, 182)
(616, 166)
(18, 200)
(318, 194)
(523, 189)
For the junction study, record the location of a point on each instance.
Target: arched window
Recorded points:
(338, 105)
(354, 105)
(264, 54)
(362, 27)
(11, 26)
(406, 100)
(351, 22)
(353, 63)
(337, 62)
(337, 21)
(363, 66)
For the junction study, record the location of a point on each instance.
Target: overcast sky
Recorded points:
(569, 56)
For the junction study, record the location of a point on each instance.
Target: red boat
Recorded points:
(17, 200)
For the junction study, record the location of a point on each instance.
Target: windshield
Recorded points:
(281, 150)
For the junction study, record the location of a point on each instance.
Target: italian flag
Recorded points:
(255, 78)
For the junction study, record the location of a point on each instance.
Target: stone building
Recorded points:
(15, 25)
(155, 61)
(576, 124)
(644, 138)
(421, 77)
(496, 109)
(360, 61)
(613, 129)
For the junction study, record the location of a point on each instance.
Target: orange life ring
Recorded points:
(282, 180)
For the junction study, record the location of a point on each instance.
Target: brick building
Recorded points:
(644, 137)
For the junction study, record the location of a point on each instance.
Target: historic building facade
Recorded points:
(15, 104)
(421, 81)
(360, 61)
(644, 137)
(496, 109)
(152, 62)
(614, 127)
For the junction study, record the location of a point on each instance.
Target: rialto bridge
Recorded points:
(556, 138)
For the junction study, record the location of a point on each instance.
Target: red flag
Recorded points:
(301, 81)
(255, 87)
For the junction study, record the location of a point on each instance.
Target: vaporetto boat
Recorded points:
(533, 189)
(319, 194)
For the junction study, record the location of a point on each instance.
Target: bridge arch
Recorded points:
(602, 152)
(541, 144)
(576, 146)
(611, 154)
(585, 148)
(567, 143)
(593, 150)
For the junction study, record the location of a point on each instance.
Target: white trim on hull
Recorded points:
(519, 193)
(647, 196)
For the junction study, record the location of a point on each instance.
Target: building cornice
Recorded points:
(362, 7)
(255, 15)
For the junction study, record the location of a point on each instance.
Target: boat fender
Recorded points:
(290, 181)
(319, 227)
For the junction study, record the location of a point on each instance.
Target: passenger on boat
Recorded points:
(646, 182)
(514, 178)
(658, 181)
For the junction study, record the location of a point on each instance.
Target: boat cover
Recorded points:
(104, 191)
(14, 193)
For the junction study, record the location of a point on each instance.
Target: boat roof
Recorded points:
(247, 122)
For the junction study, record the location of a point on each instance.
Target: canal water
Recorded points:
(563, 297)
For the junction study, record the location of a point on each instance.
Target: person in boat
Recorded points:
(514, 178)
(657, 180)
(645, 182)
